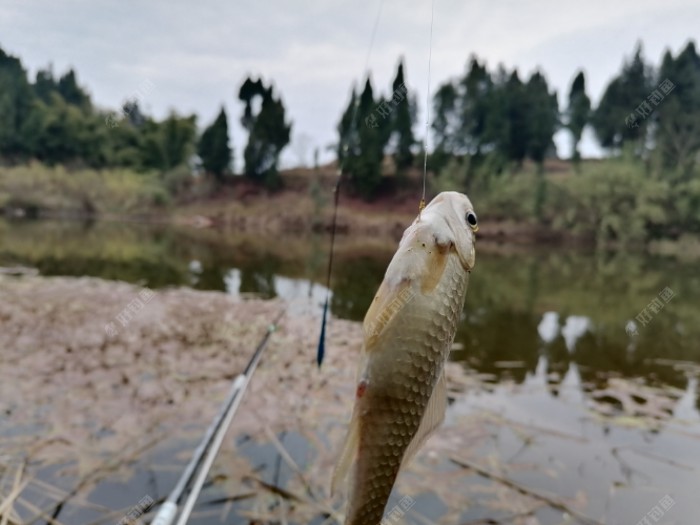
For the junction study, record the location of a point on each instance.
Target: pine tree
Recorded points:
(214, 149)
(16, 101)
(268, 132)
(364, 130)
(71, 92)
(516, 140)
(678, 113)
(45, 84)
(401, 122)
(542, 117)
(249, 90)
(476, 88)
(615, 120)
(498, 122)
(578, 113)
(444, 117)
(347, 130)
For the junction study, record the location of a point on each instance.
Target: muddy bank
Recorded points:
(85, 358)
(106, 387)
(288, 212)
(98, 374)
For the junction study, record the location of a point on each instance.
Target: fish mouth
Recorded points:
(468, 264)
(464, 246)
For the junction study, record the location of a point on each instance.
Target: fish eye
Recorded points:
(471, 220)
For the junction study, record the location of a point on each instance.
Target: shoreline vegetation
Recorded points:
(601, 204)
(492, 133)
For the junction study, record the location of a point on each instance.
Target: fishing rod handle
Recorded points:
(166, 514)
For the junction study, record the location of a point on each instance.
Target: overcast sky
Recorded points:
(194, 55)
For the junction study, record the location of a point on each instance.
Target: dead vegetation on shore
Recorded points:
(96, 399)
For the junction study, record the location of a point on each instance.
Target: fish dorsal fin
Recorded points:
(348, 454)
(433, 416)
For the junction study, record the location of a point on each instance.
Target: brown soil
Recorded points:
(243, 206)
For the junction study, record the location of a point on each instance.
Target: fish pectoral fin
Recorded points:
(348, 453)
(432, 418)
(386, 305)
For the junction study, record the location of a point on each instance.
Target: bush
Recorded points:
(613, 201)
(79, 192)
(178, 180)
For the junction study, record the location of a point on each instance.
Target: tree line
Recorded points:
(499, 118)
(54, 121)
(495, 118)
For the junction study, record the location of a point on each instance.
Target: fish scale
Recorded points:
(415, 353)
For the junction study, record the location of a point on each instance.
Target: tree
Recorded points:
(678, 113)
(59, 133)
(363, 134)
(543, 118)
(444, 125)
(496, 134)
(462, 110)
(71, 92)
(214, 149)
(16, 100)
(45, 85)
(268, 132)
(515, 137)
(578, 113)
(132, 111)
(249, 90)
(347, 130)
(402, 121)
(615, 120)
(474, 108)
(168, 144)
(495, 115)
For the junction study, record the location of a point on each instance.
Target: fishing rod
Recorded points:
(211, 442)
(341, 165)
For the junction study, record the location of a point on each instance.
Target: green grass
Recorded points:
(36, 187)
(613, 203)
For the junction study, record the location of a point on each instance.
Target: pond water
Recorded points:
(599, 349)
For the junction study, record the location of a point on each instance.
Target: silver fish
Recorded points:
(408, 333)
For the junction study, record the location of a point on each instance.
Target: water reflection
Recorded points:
(355, 281)
(545, 330)
(568, 307)
(303, 296)
(622, 469)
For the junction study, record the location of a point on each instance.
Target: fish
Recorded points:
(409, 329)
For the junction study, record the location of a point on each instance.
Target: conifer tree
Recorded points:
(214, 149)
(268, 132)
(578, 113)
(401, 122)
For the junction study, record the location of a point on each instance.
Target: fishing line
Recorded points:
(336, 195)
(427, 111)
